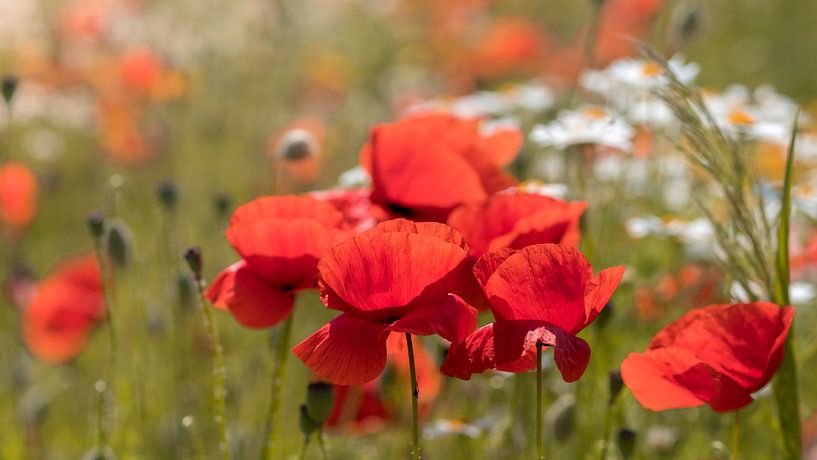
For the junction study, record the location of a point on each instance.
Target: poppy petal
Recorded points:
(381, 275)
(599, 291)
(743, 341)
(452, 320)
(649, 378)
(488, 263)
(345, 351)
(514, 339)
(249, 298)
(544, 282)
(474, 355)
(503, 145)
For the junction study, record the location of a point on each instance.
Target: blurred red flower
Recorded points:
(545, 293)
(18, 195)
(621, 24)
(717, 355)
(512, 47)
(393, 278)
(425, 165)
(516, 220)
(355, 205)
(65, 307)
(280, 239)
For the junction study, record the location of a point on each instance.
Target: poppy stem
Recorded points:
(415, 431)
(273, 415)
(218, 372)
(735, 451)
(540, 440)
(304, 448)
(322, 445)
(104, 407)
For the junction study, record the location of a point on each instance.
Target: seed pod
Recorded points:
(222, 204)
(193, 257)
(168, 195)
(96, 224)
(307, 425)
(118, 243)
(297, 144)
(626, 442)
(319, 401)
(10, 84)
(616, 384)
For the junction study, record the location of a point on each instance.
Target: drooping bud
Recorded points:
(222, 204)
(194, 260)
(184, 290)
(168, 195)
(10, 84)
(118, 243)
(96, 224)
(616, 384)
(307, 425)
(297, 144)
(319, 401)
(626, 443)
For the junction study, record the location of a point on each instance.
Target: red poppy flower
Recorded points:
(546, 294)
(64, 309)
(393, 278)
(516, 220)
(717, 355)
(355, 205)
(426, 165)
(512, 46)
(280, 239)
(18, 195)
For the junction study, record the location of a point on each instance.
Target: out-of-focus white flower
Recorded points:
(802, 292)
(355, 177)
(636, 76)
(553, 190)
(532, 97)
(642, 227)
(445, 427)
(591, 125)
(535, 97)
(763, 115)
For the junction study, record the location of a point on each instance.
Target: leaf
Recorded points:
(785, 384)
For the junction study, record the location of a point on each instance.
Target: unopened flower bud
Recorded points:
(297, 144)
(626, 442)
(118, 242)
(194, 260)
(690, 25)
(319, 401)
(10, 84)
(222, 204)
(307, 425)
(96, 224)
(168, 195)
(616, 384)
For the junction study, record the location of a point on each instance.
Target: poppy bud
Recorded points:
(616, 384)
(307, 425)
(118, 243)
(690, 25)
(222, 204)
(96, 224)
(10, 84)
(626, 442)
(319, 400)
(296, 145)
(562, 417)
(168, 195)
(194, 260)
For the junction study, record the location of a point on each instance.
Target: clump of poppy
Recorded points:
(18, 195)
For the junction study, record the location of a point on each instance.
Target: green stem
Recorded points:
(304, 447)
(218, 373)
(608, 421)
(540, 440)
(592, 32)
(322, 445)
(734, 452)
(104, 409)
(273, 414)
(415, 430)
